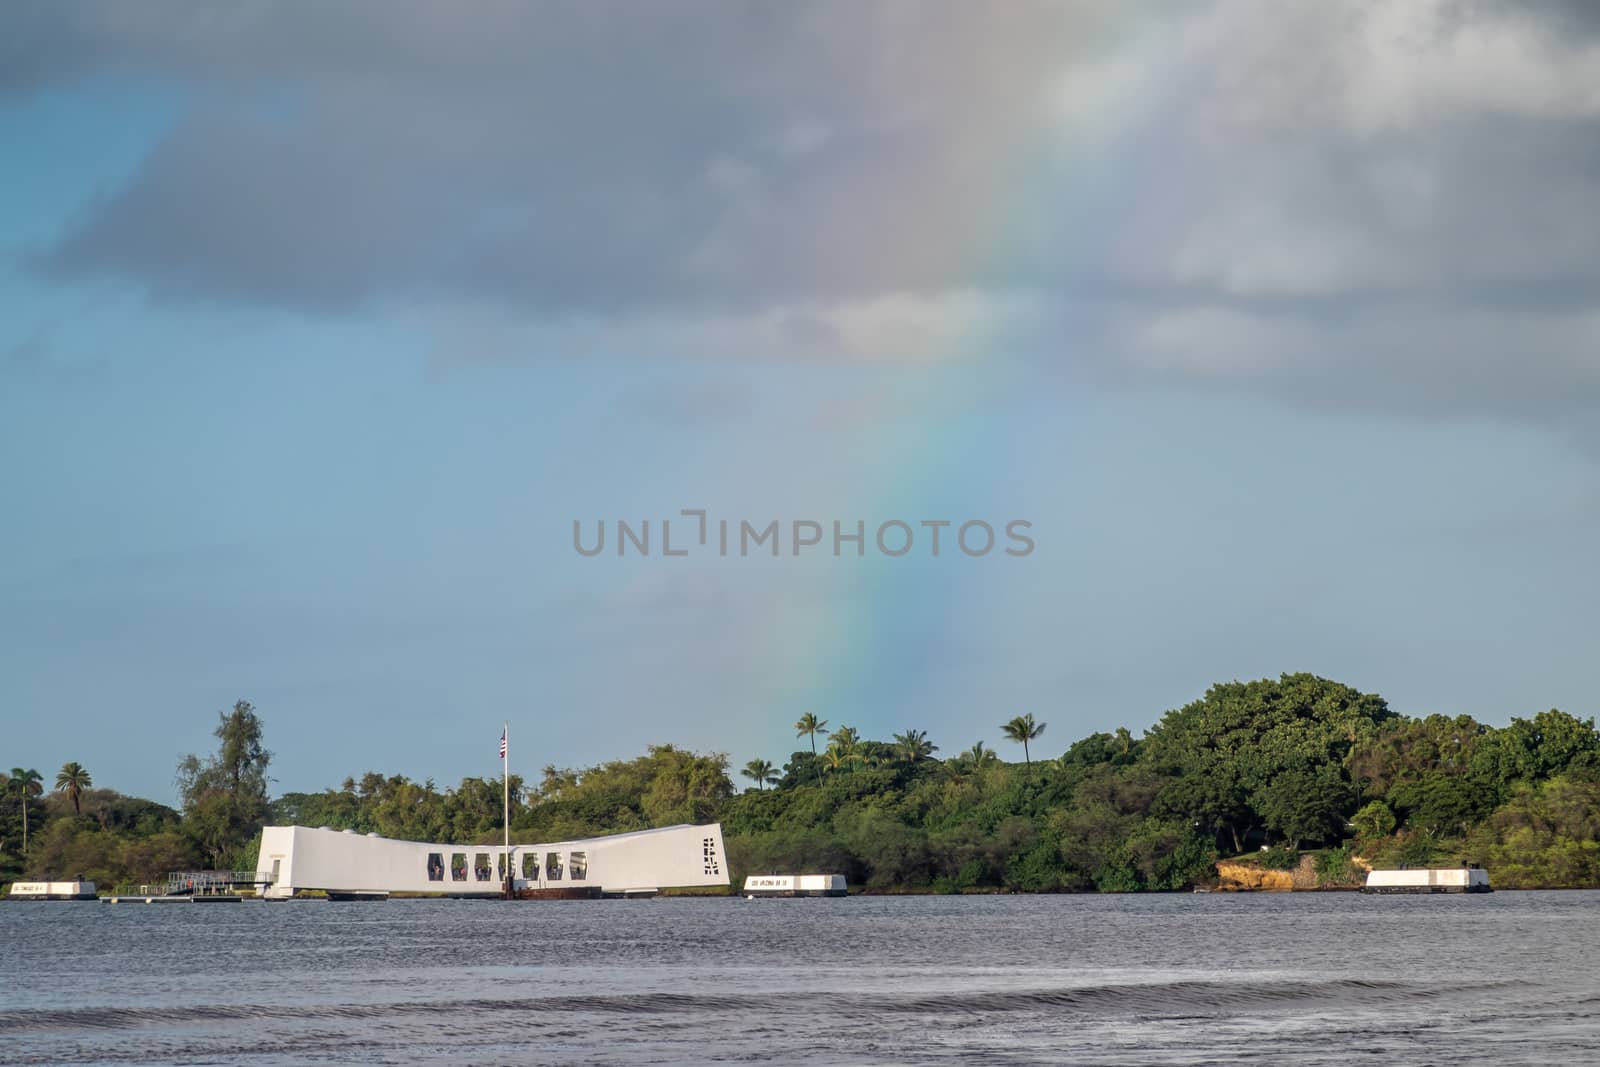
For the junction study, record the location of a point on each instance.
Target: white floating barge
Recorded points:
(78, 890)
(1429, 880)
(795, 885)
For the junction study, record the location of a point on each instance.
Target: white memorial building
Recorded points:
(338, 862)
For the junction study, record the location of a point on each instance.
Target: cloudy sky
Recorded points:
(319, 327)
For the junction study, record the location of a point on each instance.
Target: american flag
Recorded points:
(502, 744)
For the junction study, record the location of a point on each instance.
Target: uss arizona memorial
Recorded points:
(343, 863)
(338, 862)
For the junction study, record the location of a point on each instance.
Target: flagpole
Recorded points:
(505, 790)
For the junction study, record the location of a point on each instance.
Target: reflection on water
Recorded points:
(1312, 978)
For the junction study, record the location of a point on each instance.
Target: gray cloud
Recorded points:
(564, 158)
(1392, 203)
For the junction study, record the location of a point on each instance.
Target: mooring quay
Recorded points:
(198, 887)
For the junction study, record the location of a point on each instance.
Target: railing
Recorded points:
(214, 883)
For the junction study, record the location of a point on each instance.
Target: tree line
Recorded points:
(115, 839)
(1288, 764)
(1298, 762)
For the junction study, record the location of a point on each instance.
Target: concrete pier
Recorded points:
(1429, 880)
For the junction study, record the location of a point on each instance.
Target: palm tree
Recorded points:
(913, 745)
(810, 724)
(837, 756)
(1023, 729)
(969, 764)
(73, 780)
(848, 742)
(762, 772)
(833, 757)
(26, 784)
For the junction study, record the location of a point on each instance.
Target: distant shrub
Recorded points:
(1414, 850)
(1280, 859)
(1334, 866)
(1374, 820)
(1117, 878)
(1036, 871)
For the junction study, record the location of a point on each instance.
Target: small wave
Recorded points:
(1174, 998)
(1171, 998)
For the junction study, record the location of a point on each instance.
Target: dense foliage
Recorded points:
(1294, 763)
(225, 796)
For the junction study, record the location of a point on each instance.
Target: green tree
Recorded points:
(1166, 855)
(1437, 803)
(762, 772)
(1124, 742)
(1373, 821)
(1220, 755)
(1403, 750)
(225, 796)
(1022, 730)
(810, 726)
(72, 779)
(684, 786)
(1213, 800)
(25, 784)
(1304, 805)
(913, 745)
(1545, 836)
(1563, 744)
(980, 756)
(847, 742)
(836, 757)
(666, 785)
(971, 764)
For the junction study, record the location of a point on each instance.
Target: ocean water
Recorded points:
(1507, 978)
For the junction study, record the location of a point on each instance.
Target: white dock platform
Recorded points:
(795, 885)
(1429, 880)
(75, 890)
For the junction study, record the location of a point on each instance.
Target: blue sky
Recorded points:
(317, 332)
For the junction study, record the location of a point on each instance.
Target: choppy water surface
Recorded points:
(1310, 978)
